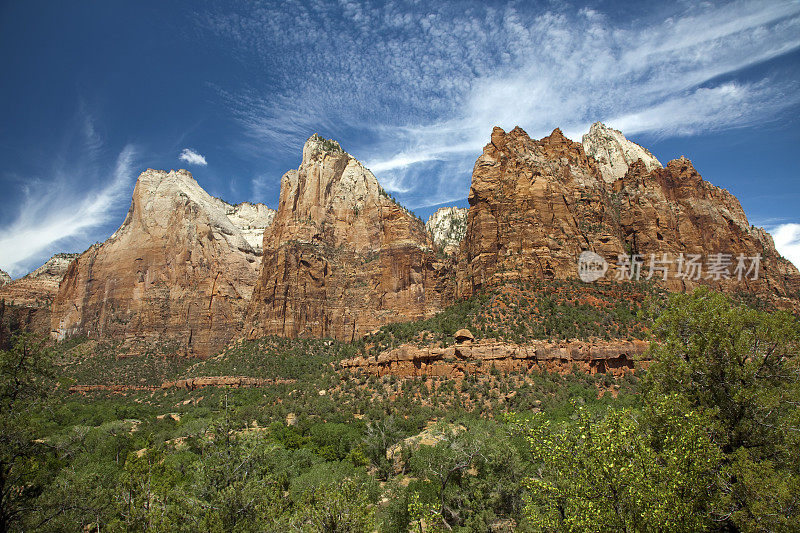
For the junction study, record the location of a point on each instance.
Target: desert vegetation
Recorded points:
(706, 439)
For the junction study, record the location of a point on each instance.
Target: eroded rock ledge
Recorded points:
(616, 357)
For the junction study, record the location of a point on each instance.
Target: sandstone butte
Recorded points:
(342, 258)
(535, 205)
(178, 273)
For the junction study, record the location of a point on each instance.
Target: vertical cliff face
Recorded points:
(447, 227)
(342, 258)
(177, 273)
(27, 300)
(536, 205)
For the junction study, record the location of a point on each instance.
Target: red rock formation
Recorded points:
(615, 357)
(342, 258)
(27, 301)
(178, 271)
(536, 205)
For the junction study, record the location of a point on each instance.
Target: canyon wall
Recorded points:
(342, 258)
(535, 205)
(177, 275)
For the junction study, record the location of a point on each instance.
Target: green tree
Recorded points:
(621, 471)
(740, 366)
(26, 379)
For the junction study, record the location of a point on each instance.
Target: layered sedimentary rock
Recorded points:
(468, 358)
(39, 288)
(342, 258)
(27, 300)
(614, 153)
(178, 273)
(535, 205)
(447, 227)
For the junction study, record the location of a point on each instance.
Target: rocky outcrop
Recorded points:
(447, 227)
(26, 302)
(178, 271)
(343, 258)
(535, 205)
(468, 358)
(4, 278)
(39, 288)
(252, 220)
(614, 153)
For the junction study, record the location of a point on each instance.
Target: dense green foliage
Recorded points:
(707, 440)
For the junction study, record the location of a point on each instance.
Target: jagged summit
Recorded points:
(342, 257)
(317, 145)
(614, 153)
(4, 278)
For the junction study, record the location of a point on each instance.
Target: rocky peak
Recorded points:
(614, 153)
(317, 146)
(4, 278)
(333, 198)
(38, 288)
(536, 205)
(178, 272)
(447, 226)
(342, 257)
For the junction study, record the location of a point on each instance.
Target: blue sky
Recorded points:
(96, 92)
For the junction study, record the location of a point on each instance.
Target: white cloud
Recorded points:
(55, 213)
(425, 84)
(192, 157)
(787, 241)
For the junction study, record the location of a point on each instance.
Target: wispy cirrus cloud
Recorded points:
(193, 158)
(54, 212)
(424, 84)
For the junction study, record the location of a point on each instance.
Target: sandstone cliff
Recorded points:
(536, 205)
(447, 227)
(27, 300)
(39, 288)
(4, 278)
(614, 153)
(177, 274)
(342, 258)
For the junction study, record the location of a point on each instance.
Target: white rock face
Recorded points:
(614, 152)
(252, 220)
(54, 268)
(4, 278)
(447, 226)
(241, 225)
